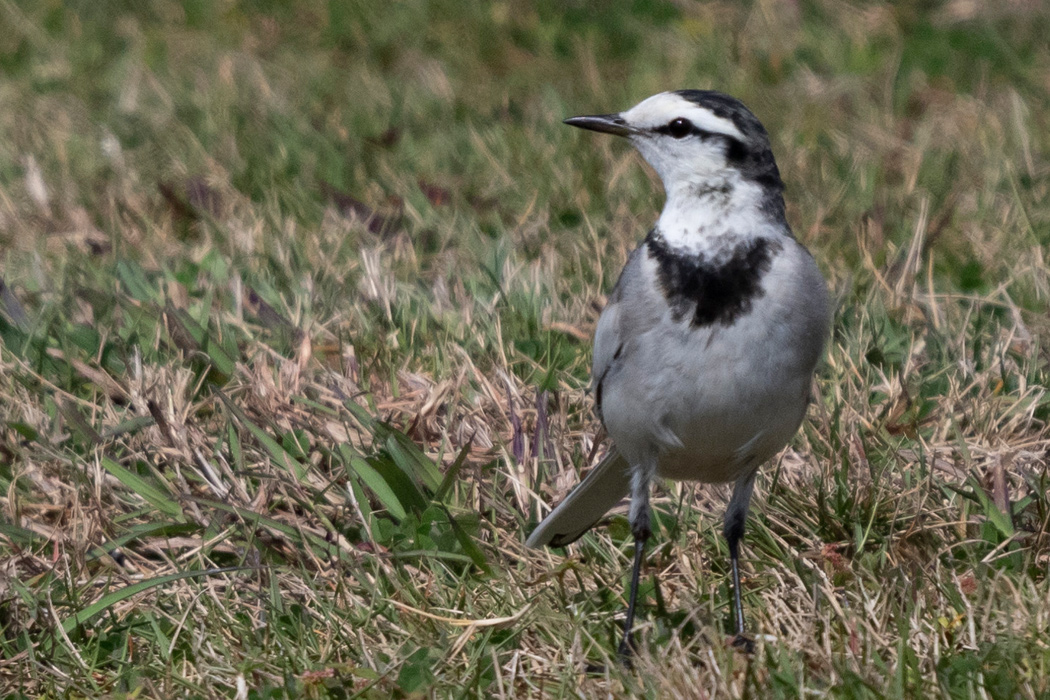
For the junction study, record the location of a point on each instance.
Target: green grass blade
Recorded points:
(143, 530)
(453, 473)
(467, 543)
(143, 488)
(416, 465)
(110, 599)
(406, 488)
(277, 453)
(377, 485)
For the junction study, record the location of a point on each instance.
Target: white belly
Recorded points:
(708, 419)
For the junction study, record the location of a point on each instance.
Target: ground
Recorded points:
(295, 325)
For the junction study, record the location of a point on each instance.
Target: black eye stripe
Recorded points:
(694, 130)
(736, 149)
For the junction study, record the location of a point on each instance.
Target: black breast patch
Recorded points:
(716, 290)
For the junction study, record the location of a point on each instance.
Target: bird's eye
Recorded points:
(680, 128)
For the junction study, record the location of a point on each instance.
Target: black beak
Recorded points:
(605, 123)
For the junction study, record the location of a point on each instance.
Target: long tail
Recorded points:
(604, 487)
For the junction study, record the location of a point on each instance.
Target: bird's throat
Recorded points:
(703, 216)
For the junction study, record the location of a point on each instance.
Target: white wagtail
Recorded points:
(704, 355)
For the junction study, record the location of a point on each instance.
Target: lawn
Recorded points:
(295, 313)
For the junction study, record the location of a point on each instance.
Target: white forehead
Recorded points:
(667, 106)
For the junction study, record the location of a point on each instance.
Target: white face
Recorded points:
(679, 161)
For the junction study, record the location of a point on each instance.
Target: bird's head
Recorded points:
(693, 138)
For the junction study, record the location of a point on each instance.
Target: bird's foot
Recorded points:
(624, 658)
(743, 643)
(625, 654)
(591, 669)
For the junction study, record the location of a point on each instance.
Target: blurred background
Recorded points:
(295, 313)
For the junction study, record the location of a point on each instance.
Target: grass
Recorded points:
(294, 348)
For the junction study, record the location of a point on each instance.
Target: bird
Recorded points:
(705, 352)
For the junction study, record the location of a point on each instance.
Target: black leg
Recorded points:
(641, 528)
(627, 645)
(736, 516)
(734, 559)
